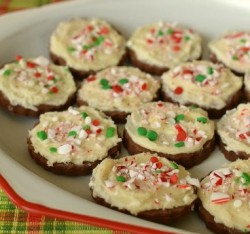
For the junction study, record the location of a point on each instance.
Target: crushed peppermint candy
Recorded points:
(66, 137)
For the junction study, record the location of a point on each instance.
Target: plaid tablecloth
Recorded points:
(16, 221)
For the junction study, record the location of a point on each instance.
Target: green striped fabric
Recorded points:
(16, 221)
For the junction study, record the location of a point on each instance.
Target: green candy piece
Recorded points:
(71, 49)
(152, 135)
(180, 117)
(170, 31)
(86, 127)
(210, 70)
(246, 176)
(84, 115)
(202, 119)
(160, 33)
(72, 133)
(192, 107)
(110, 132)
(174, 165)
(179, 144)
(87, 47)
(187, 38)
(123, 81)
(243, 41)
(53, 149)
(120, 178)
(42, 135)
(7, 72)
(142, 131)
(105, 84)
(98, 41)
(234, 57)
(200, 78)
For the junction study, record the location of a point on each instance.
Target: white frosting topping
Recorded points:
(32, 82)
(118, 88)
(202, 83)
(143, 182)
(247, 82)
(225, 194)
(234, 129)
(164, 44)
(168, 128)
(87, 44)
(76, 135)
(233, 49)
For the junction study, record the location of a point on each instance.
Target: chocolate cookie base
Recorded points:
(212, 112)
(208, 219)
(230, 155)
(70, 169)
(187, 160)
(20, 110)
(81, 74)
(247, 96)
(146, 67)
(162, 216)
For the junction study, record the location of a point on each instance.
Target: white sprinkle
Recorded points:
(237, 203)
(51, 133)
(83, 134)
(73, 111)
(88, 120)
(44, 91)
(193, 181)
(42, 61)
(64, 149)
(109, 184)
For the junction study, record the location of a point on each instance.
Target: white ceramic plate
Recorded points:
(27, 33)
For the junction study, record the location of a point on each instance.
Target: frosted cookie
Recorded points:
(224, 198)
(233, 50)
(117, 91)
(247, 87)
(73, 142)
(146, 186)
(34, 86)
(87, 46)
(178, 133)
(234, 133)
(157, 47)
(209, 86)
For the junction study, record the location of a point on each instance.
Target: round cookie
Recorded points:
(233, 50)
(87, 45)
(234, 133)
(117, 91)
(207, 85)
(73, 142)
(146, 186)
(247, 86)
(224, 198)
(179, 133)
(157, 47)
(34, 86)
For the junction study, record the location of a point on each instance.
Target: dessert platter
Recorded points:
(36, 170)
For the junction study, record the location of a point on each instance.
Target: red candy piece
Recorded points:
(176, 48)
(117, 89)
(91, 78)
(19, 57)
(182, 135)
(187, 72)
(173, 179)
(104, 30)
(54, 89)
(96, 122)
(178, 90)
(31, 64)
(154, 159)
(149, 41)
(50, 78)
(144, 86)
(37, 74)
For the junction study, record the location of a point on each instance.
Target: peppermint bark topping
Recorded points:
(66, 137)
(168, 34)
(34, 73)
(91, 40)
(239, 46)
